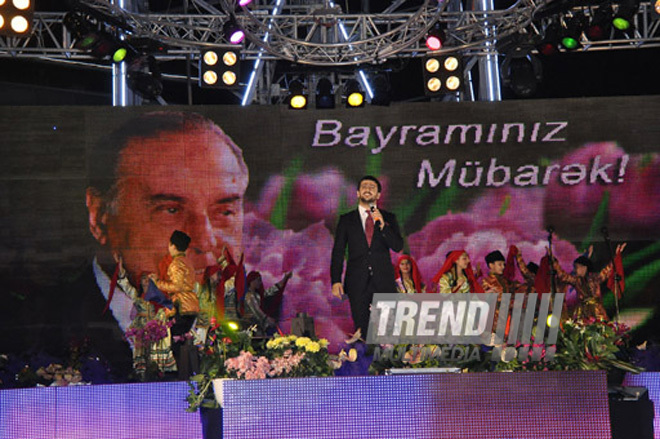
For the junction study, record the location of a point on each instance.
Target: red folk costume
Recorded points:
(413, 284)
(447, 278)
(590, 299)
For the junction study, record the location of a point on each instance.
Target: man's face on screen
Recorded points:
(178, 181)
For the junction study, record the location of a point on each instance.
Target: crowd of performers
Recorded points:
(457, 276)
(188, 309)
(172, 296)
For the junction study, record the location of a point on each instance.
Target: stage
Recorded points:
(434, 406)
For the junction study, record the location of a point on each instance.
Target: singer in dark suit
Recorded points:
(370, 234)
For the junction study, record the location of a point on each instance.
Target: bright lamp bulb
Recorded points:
(229, 78)
(433, 84)
(19, 24)
(451, 63)
(432, 65)
(210, 77)
(229, 58)
(21, 4)
(210, 58)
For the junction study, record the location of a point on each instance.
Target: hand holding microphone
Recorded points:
(377, 216)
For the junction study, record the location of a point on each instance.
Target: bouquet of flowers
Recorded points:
(236, 354)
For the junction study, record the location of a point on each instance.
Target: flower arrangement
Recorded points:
(581, 345)
(236, 354)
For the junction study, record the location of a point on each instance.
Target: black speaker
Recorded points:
(631, 413)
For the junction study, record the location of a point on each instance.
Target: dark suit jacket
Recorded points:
(360, 256)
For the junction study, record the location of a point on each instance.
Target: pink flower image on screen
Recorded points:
(314, 197)
(633, 205)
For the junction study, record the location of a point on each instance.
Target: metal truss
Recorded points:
(305, 35)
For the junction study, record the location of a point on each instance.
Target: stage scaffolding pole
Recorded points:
(489, 72)
(122, 96)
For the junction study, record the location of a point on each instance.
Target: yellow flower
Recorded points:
(312, 346)
(291, 337)
(302, 341)
(323, 342)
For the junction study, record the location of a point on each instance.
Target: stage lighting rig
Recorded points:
(623, 18)
(521, 71)
(353, 93)
(16, 17)
(442, 74)
(297, 97)
(572, 32)
(325, 95)
(219, 68)
(600, 26)
(435, 38)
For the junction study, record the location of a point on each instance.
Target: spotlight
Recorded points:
(297, 98)
(655, 9)
(521, 72)
(354, 95)
(442, 74)
(325, 96)
(570, 38)
(233, 32)
(435, 38)
(550, 42)
(16, 17)
(623, 19)
(219, 68)
(244, 2)
(601, 23)
(144, 78)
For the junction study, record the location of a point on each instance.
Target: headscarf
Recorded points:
(449, 263)
(414, 271)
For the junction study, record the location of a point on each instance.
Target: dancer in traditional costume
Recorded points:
(456, 275)
(587, 284)
(408, 278)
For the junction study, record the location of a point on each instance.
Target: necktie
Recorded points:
(369, 228)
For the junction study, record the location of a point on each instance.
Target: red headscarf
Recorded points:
(542, 281)
(414, 271)
(449, 263)
(232, 269)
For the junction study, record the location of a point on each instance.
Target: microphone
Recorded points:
(372, 207)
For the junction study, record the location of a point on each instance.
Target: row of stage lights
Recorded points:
(325, 97)
(603, 22)
(16, 17)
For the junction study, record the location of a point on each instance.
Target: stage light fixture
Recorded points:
(219, 68)
(144, 77)
(325, 96)
(442, 74)
(601, 23)
(233, 32)
(570, 38)
(521, 72)
(550, 42)
(16, 17)
(624, 16)
(435, 38)
(354, 94)
(244, 2)
(655, 9)
(297, 97)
